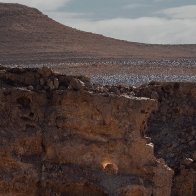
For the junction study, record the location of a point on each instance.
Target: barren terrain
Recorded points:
(28, 38)
(26, 35)
(63, 135)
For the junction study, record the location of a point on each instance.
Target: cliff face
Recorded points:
(173, 131)
(62, 136)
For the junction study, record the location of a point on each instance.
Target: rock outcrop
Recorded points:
(61, 135)
(172, 129)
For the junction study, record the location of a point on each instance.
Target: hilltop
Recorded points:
(27, 34)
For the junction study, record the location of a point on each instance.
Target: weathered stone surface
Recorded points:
(21, 115)
(172, 129)
(76, 84)
(92, 140)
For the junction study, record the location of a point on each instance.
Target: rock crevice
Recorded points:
(172, 129)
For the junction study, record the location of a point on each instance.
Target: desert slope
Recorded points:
(27, 34)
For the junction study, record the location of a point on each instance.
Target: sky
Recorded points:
(146, 21)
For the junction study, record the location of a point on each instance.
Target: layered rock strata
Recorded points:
(62, 136)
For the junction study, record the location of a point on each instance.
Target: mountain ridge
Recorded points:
(26, 33)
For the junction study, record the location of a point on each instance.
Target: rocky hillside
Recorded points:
(61, 135)
(28, 35)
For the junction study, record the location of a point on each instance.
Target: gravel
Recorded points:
(188, 62)
(81, 66)
(136, 79)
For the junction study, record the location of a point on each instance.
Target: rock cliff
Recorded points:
(60, 135)
(173, 131)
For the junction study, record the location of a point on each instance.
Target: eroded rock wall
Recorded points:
(61, 136)
(173, 131)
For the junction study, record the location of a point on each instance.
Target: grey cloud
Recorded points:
(152, 21)
(144, 29)
(42, 5)
(182, 12)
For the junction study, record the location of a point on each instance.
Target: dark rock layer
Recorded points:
(173, 131)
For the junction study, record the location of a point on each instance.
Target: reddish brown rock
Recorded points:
(73, 142)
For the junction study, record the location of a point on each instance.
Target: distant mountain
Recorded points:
(27, 34)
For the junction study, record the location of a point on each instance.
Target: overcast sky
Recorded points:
(148, 21)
